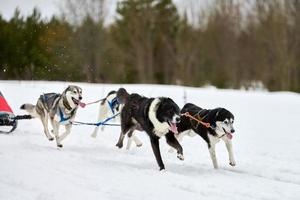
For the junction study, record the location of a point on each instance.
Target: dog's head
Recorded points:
(168, 111)
(223, 122)
(73, 95)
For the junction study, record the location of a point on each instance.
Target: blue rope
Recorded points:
(103, 123)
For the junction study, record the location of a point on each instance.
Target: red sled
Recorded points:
(8, 122)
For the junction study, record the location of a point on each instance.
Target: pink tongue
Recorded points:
(229, 136)
(173, 128)
(81, 104)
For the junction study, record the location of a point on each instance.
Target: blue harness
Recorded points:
(113, 104)
(62, 118)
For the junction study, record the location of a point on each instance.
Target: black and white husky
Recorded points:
(59, 108)
(110, 106)
(221, 128)
(155, 116)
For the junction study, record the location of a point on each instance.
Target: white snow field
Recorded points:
(266, 147)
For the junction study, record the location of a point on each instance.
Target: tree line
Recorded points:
(232, 45)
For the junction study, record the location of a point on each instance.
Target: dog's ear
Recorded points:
(122, 96)
(212, 116)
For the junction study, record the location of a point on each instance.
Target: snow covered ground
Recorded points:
(266, 146)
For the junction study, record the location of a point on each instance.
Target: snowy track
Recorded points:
(266, 146)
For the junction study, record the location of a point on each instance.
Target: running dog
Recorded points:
(219, 126)
(155, 116)
(60, 108)
(110, 106)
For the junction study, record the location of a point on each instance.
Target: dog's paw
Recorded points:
(59, 145)
(51, 139)
(180, 156)
(94, 135)
(119, 145)
(162, 169)
(232, 163)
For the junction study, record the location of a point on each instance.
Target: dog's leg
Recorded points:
(156, 151)
(66, 133)
(122, 136)
(130, 138)
(133, 137)
(137, 141)
(212, 152)
(126, 126)
(172, 141)
(230, 151)
(44, 118)
(55, 126)
(179, 138)
(102, 113)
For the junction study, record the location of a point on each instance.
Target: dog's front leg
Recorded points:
(212, 152)
(228, 144)
(156, 151)
(65, 134)
(173, 142)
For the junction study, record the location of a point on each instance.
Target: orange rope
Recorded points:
(187, 114)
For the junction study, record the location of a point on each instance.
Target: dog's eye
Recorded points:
(226, 122)
(75, 92)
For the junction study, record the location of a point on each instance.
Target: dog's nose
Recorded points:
(177, 119)
(80, 97)
(232, 131)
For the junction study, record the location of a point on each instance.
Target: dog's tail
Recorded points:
(122, 96)
(31, 109)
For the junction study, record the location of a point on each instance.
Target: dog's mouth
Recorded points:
(229, 135)
(78, 102)
(173, 127)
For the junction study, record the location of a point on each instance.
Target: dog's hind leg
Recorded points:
(133, 137)
(66, 133)
(230, 151)
(55, 126)
(172, 141)
(43, 115)
(137, 141)
(125, 129)
(103, 110)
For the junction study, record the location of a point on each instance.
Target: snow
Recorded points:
(266, 147)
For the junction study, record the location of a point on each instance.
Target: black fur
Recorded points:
(208, 116)
(135, 116)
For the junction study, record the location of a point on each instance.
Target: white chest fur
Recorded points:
(160, 128)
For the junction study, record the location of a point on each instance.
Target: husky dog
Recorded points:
(110, 106)
(155, 116)
(60, 108)
(221, 128)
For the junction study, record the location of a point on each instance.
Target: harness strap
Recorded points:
(187, 114)
(102, 123)
(112, 104)
(93, 102)
(61, 115)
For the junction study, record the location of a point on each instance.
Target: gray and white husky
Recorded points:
(59, 108)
